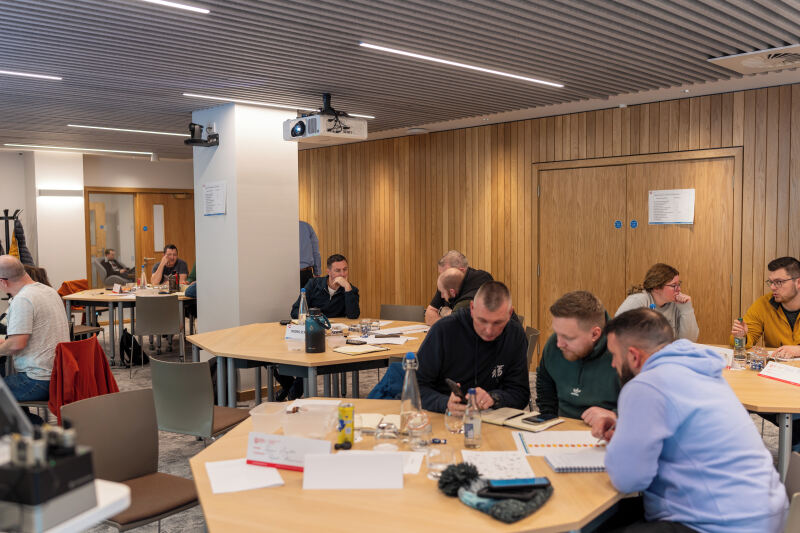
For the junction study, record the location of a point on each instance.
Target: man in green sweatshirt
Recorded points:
(575, 378)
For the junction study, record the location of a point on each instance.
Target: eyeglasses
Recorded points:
(777, 282)
(675, 286)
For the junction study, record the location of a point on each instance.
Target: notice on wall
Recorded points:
(214, 198)
(674, 206)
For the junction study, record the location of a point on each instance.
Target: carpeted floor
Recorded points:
(176, 450)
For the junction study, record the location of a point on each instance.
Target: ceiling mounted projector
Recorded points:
(325, 126)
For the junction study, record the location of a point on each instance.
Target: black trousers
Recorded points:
(629, 518)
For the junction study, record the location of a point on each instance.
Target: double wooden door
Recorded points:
(164, 218)
(594, 235)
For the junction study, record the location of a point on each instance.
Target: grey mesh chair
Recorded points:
(533, 341)
(158, 315)
(410, 313)
(184, 398)
(792, 481)
(103, 279)
(121, 429)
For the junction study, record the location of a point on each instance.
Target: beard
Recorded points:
(625, 374)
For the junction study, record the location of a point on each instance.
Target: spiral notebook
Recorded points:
(581, 461)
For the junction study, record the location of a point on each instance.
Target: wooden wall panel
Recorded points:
(394, 206)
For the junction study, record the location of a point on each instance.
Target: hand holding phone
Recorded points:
(456, 389)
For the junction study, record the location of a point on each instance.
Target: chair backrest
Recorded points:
(157, 315)
(99, 270)
(121, 429)
(521, 320)
(73, 286)
(410, 313)
(184, 397)
(533, 340)
(793, 520)
(792, 481)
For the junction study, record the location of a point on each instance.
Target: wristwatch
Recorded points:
(444, 311)
(496, 398)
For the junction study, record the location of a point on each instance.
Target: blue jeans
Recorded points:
(191, 291)
(26, 389)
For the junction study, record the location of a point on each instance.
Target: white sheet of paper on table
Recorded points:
(412, 461)
(386, 340)
(414, 328)
(499, 465)
(549, 441)
(236, 475)
(353, 471)
(780, 372)
(281, 451)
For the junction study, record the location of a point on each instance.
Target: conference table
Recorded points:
(419, 506)
(265, 344)
(93, 297)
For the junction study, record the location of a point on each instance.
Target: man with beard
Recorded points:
(574, 378)
(683, 439)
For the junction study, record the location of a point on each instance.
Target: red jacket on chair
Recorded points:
(80, 370)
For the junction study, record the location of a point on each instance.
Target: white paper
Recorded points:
(412, 461)
(372, 339)
(384, 323)
(236, 475)
(781, 372)
(281, 451)
(353, 471)
(550, 441)
(214, 198)
(414, 328)
(727, 353)
(499, 465)
(295, 332)
(674, 206)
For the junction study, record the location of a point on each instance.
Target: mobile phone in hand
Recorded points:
(456, 389)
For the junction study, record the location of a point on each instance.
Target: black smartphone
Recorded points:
(455, 389)
(517, 484)
(538, 419)
(285, 322)
(355, 341)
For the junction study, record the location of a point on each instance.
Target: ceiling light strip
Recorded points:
(41, 147)
(456, 64)
(127, 130)
(263, 104)
(179, 6)
(28, 75)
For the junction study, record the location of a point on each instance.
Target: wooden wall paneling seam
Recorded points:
(759, 193)
(674, 111)
(794, 176)
(684, 118)
(558, 143)
(655, 132)
(616, 131)
(625, 131)
(644, 129)
(748, 187)
(784, 147)
(608, 132)
(771, 177)
(726, 120)
(694, 124)
(705, 122)
(716, 121)
(635, 121)
(664, 126)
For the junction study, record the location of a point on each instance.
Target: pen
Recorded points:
(601, 439)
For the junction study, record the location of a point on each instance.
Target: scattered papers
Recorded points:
(412, 461)
(236, 475)
(372, 339)
(779, 372)
(547, 442)
(279, 451)
(414, 328)
(373, 470)
(358, 349)
(499, 465)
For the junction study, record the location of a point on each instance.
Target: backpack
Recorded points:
(128, 344)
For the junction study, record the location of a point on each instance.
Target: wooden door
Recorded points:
(580, 246)
(178, 227)
(702, 252)
(97, 232)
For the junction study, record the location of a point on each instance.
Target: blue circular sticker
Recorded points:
(617, 224)
(634, 224)
(144, 228)
(102, 227)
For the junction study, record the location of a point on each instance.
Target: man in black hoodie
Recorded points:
(478, 347)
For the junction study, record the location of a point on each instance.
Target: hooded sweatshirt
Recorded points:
(452, 349)
(684, 439)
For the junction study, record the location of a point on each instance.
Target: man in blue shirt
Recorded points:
(310, 260)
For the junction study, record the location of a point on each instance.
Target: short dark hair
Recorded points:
(791, 265)
(581, 305)
(107, 251)
(493, 294)
(642, 328)
(335, 258)
(170, 247)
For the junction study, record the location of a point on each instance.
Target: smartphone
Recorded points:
(355, 341)
(517, 484)
(538, 419)
(285, 322)
(455, 389)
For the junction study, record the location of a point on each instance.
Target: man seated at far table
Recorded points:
(477, 347)
(575, 378)
(170, 264)
(114, 267)
(333, 294)
(683, 439)
(457, 288)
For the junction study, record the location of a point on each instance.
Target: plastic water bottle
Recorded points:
(472, 422)
(143, 279)
(413, 420)
(739, 352)
(303, 311)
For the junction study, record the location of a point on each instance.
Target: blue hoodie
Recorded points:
(685, 440)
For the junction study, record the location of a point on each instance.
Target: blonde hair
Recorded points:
(657, 276)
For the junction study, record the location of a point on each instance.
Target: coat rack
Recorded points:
(6, 218)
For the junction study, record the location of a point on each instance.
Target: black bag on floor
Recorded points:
(126, 342)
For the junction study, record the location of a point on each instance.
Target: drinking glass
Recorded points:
(366, 325)
(454, 422)
(758, 358)
(437, 460)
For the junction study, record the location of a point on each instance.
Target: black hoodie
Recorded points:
(452, 349)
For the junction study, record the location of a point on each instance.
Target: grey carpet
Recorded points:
(176, 450)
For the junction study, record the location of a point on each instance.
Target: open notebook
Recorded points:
(580, 461)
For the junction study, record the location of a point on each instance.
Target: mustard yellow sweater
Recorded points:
(765, 317)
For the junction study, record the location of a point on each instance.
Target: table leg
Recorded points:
(784, 443)
(231, 383)
(354, 376)
(181, 333)
(87, 314)
(270, 385)
(112, 334)
(335, 380)
(69, 311)
(257, 389)
(220, 380)
(343, 375)
(311, 382)
(326, 385)
(195, 354)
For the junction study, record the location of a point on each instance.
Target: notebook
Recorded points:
(517, 419)
(582, 461)
(551, 442)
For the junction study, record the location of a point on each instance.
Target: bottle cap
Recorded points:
(410, 355)
(303, 289)
(652, 306)
(471, 390)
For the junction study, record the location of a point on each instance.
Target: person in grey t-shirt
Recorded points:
(661, 291)
(36, 324)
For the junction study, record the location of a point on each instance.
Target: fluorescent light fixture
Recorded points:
(127, 130)
(456, 64)
(41, 147)
(263, 104)
(178, 6)
(60, 192)
(28, 75)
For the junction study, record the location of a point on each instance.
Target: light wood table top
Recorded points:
(105, 295)
(265, 342)
(763, 394)
(419, 506)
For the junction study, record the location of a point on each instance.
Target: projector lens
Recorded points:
(299, 129)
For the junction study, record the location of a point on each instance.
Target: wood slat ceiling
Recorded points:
(125, 63)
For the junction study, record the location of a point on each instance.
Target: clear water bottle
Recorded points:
(303, 311)
(413, 420)
(143, 279)
(739, 352)
(472, 422)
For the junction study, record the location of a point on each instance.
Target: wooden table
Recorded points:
(92, 297)
(766, 395)
(420, 507)
(265, 343)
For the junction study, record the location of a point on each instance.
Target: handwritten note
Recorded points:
(499, 465)
(780, 372)
(279, 451)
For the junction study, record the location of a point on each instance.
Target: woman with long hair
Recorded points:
(661, 291)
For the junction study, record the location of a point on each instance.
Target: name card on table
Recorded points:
(295, 332)
(777, 371)
(353, 471)
(117, 289)
(280, 451)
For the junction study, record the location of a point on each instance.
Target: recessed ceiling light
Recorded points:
(28, 75)
(456, 64)
(179, 6)
(127, 130)
(263, 104)
(76, 149)
(416, 131)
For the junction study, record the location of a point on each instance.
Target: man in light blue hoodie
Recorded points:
(683, 438)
